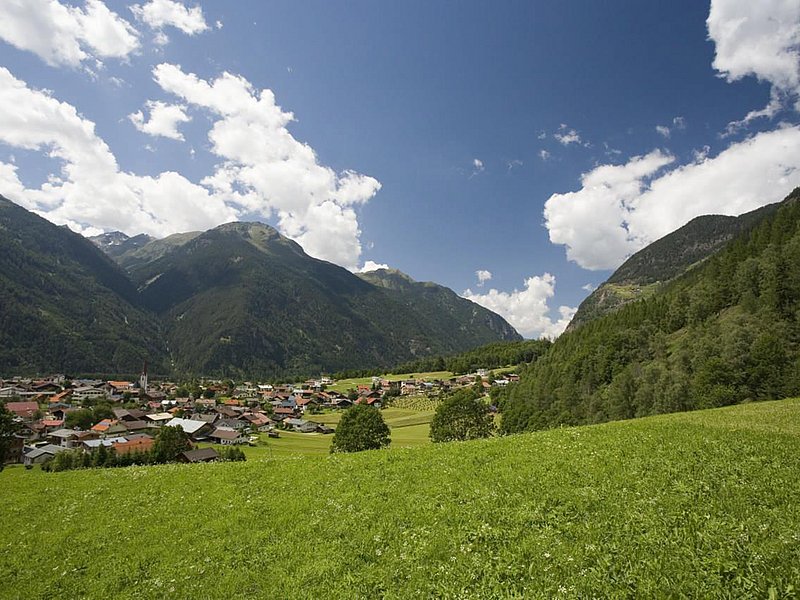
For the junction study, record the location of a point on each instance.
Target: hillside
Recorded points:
(66, 307)
(664, 260)
(694, 505)
(725, 332)
(242, 299)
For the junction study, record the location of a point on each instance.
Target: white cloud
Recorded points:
(757, 38)
(566, 136)
(527, 309)
(65, 35)
(483, 276)
(544, 154)
(167, 13)
(663, 130)
(88, 191)
(679, 123)
(164, 120)
(620, 209)
(263, 171)
(589, 287)
(477, 167)
(370, 266)
(267, 171)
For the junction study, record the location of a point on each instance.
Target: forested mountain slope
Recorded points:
(64, 305)
(725, 332)
(664, 260)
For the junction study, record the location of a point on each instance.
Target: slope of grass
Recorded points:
(690, 505)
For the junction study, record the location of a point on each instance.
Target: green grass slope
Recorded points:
(693, 505)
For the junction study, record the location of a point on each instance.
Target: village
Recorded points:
(56, 414)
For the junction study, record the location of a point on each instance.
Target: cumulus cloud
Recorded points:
(370, 266)
(589, 287)
(527, 309)
(267, 171)
(483, 276)
(622, 208)
(164, 120)
(761, 39)
(89, 190)
(263, 170)
(158, 14)
(544, 154)
(64, 35)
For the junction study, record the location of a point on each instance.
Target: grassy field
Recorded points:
(697, 505)
(409, 429)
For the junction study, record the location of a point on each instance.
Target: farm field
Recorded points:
(343, 385)
(410, 428)
(696, 505)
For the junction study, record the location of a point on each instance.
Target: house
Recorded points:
(104, 425)
(301, 426)
(284, 412)
(198, 456)
(23, 410)
(124, 414)
(139, 443)
(89, 445)
(195, 429)
(228, 437)
(51, 424)
(159, 418)
(82, 393)
(135, 426)
(34, 456)
(65, 438)
(234, 424)
(13, 391)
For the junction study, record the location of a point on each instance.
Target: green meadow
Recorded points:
(695, 505)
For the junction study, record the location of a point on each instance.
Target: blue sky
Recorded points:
(537, 142)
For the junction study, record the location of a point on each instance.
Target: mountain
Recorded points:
(725, 331)
(242, 299)
(66, 307)
(441, 309)
(664, 260)
(136, 257)
(239, 300)
(117, 244)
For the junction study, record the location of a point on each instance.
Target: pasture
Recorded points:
(694, 505)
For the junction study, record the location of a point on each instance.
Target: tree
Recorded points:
(170, 442)
(462, 416)
(362, 428)
(81, 418)
(7, 429)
